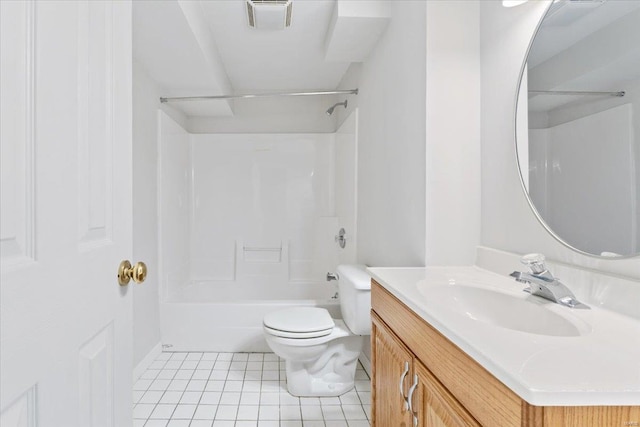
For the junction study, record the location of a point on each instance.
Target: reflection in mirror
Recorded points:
(580, 158)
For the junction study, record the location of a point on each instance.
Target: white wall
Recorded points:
(391, 141)
(453, 132)
(419, 139)
(507, 221)
(146, 328)
(174, 201)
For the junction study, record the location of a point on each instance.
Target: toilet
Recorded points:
(321, 353)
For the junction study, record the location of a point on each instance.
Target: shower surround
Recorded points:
(247, 225)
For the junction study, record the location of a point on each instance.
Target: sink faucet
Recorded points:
(543, 284)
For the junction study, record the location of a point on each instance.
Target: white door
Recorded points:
(65, 350)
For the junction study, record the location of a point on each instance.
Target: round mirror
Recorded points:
(578, 125)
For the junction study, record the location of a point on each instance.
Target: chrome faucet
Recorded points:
(332, 276)
(543, 284)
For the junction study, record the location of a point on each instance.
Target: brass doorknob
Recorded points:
(126, 272)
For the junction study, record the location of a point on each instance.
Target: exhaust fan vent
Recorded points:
(269, 14)
(252, 22)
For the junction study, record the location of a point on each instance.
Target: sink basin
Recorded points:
(521, 313)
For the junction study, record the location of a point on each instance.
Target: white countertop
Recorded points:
(600, 367)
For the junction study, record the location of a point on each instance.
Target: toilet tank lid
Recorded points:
(299, 319)
(356, 274)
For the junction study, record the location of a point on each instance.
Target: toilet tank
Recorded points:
(354, 285)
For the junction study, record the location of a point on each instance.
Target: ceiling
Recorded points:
(206, 47)
(263, 60)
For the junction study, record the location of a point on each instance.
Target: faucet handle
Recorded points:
(535, 262)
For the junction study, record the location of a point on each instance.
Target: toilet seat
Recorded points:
(339, 331)
(296, 335)
(299, 322)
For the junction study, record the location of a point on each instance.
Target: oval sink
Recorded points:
(526, 314)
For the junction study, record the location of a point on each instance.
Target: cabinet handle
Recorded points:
(402, 378)
(410, 399)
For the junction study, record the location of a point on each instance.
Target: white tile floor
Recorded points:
(238, 390)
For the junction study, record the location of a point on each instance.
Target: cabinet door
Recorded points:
(392, 373)
(434, 406)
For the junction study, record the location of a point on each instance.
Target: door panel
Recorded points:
(65, 351)
(436, 407)
(22, 412)
(96, 383)
(95, 121)
(390, 357)
(17, 55)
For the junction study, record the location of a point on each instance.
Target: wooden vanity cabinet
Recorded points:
(451, 389)
(396, 372)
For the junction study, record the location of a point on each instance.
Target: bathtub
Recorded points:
(227, 316)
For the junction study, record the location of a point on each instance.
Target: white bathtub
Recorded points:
(226, 316)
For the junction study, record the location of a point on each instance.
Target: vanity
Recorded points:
(445, 352)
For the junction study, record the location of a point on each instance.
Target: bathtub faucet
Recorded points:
(332, 276)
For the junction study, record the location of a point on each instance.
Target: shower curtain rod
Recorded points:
(259, 95)
(575, 92)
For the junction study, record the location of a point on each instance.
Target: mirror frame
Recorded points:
(517, 158)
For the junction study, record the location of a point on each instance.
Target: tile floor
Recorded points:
(238, 390)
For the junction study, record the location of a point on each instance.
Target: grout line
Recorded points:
(242, 374)
(167, 389)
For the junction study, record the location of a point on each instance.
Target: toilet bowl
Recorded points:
(321, 353)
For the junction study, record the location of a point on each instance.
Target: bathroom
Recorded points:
(235, 205)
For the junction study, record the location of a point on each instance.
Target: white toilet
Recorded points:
(321, 353)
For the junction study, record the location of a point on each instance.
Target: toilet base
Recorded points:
(332, 374)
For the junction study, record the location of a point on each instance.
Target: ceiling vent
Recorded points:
(269, 14)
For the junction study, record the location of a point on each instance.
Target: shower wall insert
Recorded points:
(247, 225)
